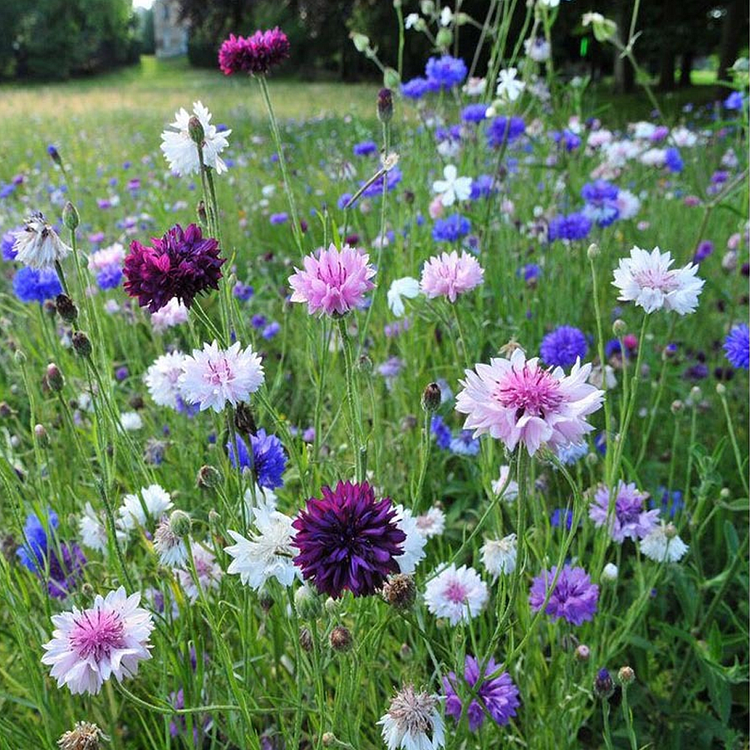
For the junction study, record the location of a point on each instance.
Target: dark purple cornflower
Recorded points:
(575, 226)
(181, 265)
(58, 564)
(504, 130)
(737, 346)
(705, 248)
(574, 597)
(496, 694)
(348, 540)
(563, 346)
(255, 54)
(267, 460)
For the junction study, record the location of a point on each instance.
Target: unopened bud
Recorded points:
(399, 591)
(53, 378)
(676, 406)
(582, 653)
(244, 420)
(604, 686)
(364, 364)
(195, 131)
(307, 603)
(81, 344)
(208, 477)
(87, 590)
(626, 675)
(41, 434)
(444, 38)
(70, 216)
(391, 78)
(266, 601)
(341, 639)
(431, 397)
(427, 7)
(306, 640)
(54, 154)
(385, 105)
(721, 389)
(670, 531)
(619, 327)
(609, 572)
(202, 214)
(180, 523)
(328, 739)
(593, 251)
(695, 394)
(49, 308)
(66, 308)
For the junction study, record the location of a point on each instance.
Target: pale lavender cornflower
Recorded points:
(172, 314)
(574, 597)
(90, 646)
(333, 281)
(413, 721)
(458, 594)
(448, 275)
(214, 377)
(208, 570)
(431, 523)
(37, 245)
(517, 401)
(628, 518)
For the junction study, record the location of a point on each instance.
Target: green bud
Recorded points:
(180, 523)
(195, 131)
(391, 78)
(70, 216)
(307, 603)
(431, 397)
(361, 42)
(444, 38)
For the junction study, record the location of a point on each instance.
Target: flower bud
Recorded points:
(604, 686)
(195, 131)
(427, 7)
(391, 78)
(70, 216)
(266, 601)
(619, 327)
(610, 572)
(307, 603)
(49, 308)
(341, 639)
(244, 420)
(626, 675)
(328, 739)
(180, 523)
(444, 38)
(721, 389)
(208, 477)
(431, 397)
(593, 251)
(399, 591)
(364, 364)
(695, 394)
(54, 154)
(582, 653)
(385, 105)
(53, 378)
(360, 41)
(66, 308)
(81, 344)
(41, 434)
(201, 213)
(306, 640)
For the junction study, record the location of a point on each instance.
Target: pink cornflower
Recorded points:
(89, 646)
(458, 594)
(518, 401)
(448, 275)
(213, 377)
(334, 282)
(255, 54)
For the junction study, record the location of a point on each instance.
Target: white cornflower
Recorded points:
(475, 87)
(609, 572)
(93, 531)
(663, 544)
(414, 543)
(628, 204)
(453, 188)
(162, 379)
(213, 377)
(170, 547)
(267, 554)
(37, 244)
(413, 721)
(511, 490)
(208, 570)
(172, 314)
(537, 48)
(106, 257)
(431, 523)
(182, 152)
(405, 287)
(643, 130)
(413, 21)
(509, 87)
(653, 157)
(446, 16)
(135, 510)
(548, 3)
(683, 138)
(458, 594)
(646, 279)
(131, 421)
(499, 555)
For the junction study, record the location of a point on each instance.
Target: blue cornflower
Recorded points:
(376, 188)
(280, 218)
(737, 346)
(482, 187)
(505, 130)
(474, 113)
(243, 292)
(530, 273)
(441, 431)
(451, 229)
(464, 444)
(271, 330)
(109, 277)
(601, 202)
(267, 462)
(563, 346)
(734, 101)
(560, 516)
(446, 71)
(344, 198)
(572, 453)
(575, 226)
(34, 285)
(669, 504)
(416, 88)
(7, 242)
(673, 160)
(365, 148)
(570, 140)
(705, 248)
(258, 321)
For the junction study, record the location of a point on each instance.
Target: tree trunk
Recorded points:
(732, 31)
(686, 66)
(666, 69)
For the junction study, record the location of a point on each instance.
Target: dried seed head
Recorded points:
(626, 675)
(341, 639)
(84, 736)
(399, 591)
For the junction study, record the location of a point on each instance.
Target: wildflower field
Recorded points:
(408, 416)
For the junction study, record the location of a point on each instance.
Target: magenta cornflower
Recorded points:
(574, 597)
(517, 401)
(496, 696)
(448, 275)
(334, 281)
(89, 646)
(628, 518)
(348, 540)
(180, 265)
(255, 54)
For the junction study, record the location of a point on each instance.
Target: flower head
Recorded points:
(89, 646)
(497, 694)
(431, 523)
(255, 54)
(151, 502)
(563, 346)
(499, 555)
(663, 544)
(509, 87)
(456, 593)
(37, 245)
(36, 285)
(448, 275)
(83, 736)
(181, 265)
(519, 402)
(168, 545)
(333, 282)
(213, 377)
(414, 543)
(628, 518)
(404, 287)
(575, 226)
(446, 71)
(181, 151)
(505, 130)
(413, 721)
(574, 597)
(267, 460)
(452, 188)
(737, 346)
(162, 379)
(646, 279)
(208, 570)
(348, 540)
(451, 229)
